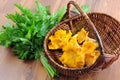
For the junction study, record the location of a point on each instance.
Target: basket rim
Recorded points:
(64, 21)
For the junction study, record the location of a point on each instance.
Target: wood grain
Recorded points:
(11, 68)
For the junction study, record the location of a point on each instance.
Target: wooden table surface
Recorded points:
(11, 68)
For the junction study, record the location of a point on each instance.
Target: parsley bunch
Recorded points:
(27, 35)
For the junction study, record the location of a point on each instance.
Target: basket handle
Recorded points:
(68, 11)
(88, 20)
(109, 59)
(77, 7)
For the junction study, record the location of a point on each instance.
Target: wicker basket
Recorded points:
(108, 39)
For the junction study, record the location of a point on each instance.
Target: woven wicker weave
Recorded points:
(108, 29)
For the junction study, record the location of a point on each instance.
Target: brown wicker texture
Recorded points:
(108, 29)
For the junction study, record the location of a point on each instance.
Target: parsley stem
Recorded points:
(49, 69)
